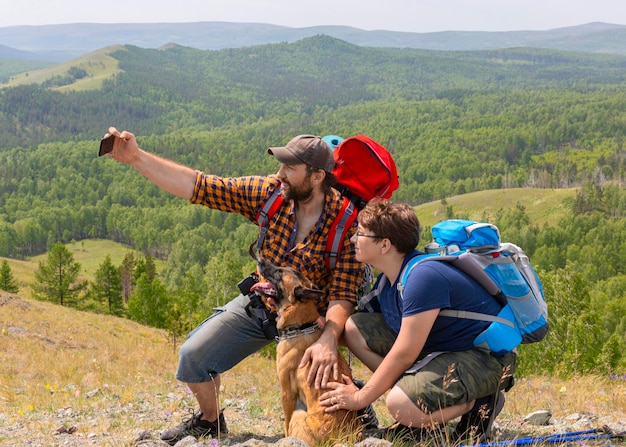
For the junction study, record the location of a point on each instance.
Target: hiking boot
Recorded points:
(196, 427)
(477, 423)
(366, 415)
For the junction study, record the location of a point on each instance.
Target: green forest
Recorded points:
(455, 122)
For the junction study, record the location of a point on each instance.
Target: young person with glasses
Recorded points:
(427, 362)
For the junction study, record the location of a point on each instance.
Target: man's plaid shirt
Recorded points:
(246, 195)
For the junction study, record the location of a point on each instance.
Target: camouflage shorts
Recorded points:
(448, 379)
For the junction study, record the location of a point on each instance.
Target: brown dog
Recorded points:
(295, 300)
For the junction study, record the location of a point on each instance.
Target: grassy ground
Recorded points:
(106, 379)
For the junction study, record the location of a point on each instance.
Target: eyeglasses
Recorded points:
(373, 236)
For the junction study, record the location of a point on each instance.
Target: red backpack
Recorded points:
(365, 170)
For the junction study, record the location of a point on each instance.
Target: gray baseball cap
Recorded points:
(307, 149)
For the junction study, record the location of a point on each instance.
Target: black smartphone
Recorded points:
(106, 144)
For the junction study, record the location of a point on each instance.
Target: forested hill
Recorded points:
(455, 121)
(157, 90)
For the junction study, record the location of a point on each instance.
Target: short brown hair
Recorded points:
(394, 221)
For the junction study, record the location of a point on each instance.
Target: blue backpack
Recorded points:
(503, 269)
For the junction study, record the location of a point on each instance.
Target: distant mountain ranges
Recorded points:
(57, 43)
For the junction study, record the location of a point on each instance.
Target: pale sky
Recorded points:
(395, 15)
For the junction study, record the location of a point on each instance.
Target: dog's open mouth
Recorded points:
(264, 288)
(267, 290)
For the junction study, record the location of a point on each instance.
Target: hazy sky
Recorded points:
(397, 15)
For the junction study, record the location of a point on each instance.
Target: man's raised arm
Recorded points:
(167, 175)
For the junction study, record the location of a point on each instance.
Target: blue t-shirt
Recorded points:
(439, 285)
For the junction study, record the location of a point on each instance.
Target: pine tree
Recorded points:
(8, 283)
(58, 278)
(145, 266)
(127, 270)
(149, 304)
(108, 287)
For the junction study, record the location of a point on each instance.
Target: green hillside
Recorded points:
(455, 122)
(10, 67)
(94, 67)
(90, 253)
(543, 206)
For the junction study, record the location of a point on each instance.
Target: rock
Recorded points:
(64, 429)
(374, 442)
(540, 417)
(143, 435)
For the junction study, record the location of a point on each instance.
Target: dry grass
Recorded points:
(56, 358)
(590, 394)
(110, 378)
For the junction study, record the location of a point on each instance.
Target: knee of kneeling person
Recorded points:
(396, 398)
(352, 336)
(400, 406)
(412, 414)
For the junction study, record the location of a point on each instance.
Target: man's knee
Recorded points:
(188, 349)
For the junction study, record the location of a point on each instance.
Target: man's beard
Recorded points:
(302, 193)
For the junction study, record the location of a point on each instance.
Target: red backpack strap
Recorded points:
(266, 212)
(334, 242)
(344, 220)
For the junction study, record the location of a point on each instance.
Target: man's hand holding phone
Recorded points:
(106, 144)
(120, 146)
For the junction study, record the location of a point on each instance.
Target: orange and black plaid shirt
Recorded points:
(246, 195)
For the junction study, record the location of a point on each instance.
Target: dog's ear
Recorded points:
(306, 294)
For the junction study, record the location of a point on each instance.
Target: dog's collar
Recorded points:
(295, 330)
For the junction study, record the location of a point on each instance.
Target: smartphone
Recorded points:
(106, 144)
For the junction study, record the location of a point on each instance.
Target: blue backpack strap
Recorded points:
(475, 316)
(466, 264)
(404, 274)
(366, 300)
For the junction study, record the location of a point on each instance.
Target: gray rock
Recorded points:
(540, 417)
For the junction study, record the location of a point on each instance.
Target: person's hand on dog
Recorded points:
(324, 364)
(343, 396)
